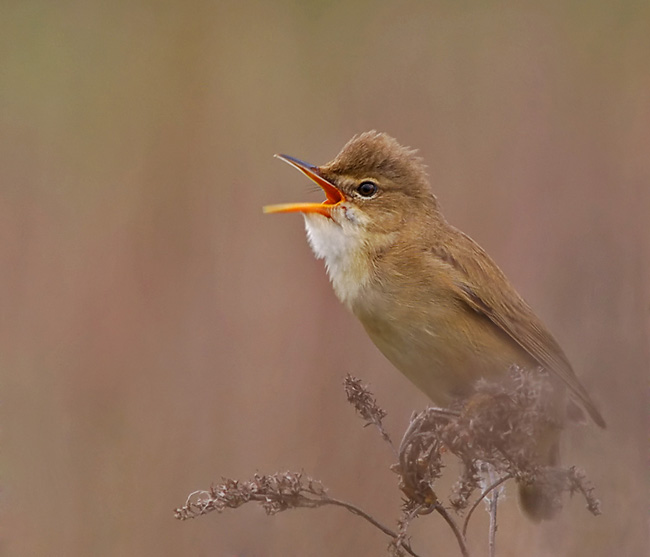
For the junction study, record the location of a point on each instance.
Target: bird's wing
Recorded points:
(480, 284)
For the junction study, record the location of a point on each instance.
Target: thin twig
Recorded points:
(359, 512)
(494, 503)
(452, 524)
(481, 497)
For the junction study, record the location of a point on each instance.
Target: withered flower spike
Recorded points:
(365, 404)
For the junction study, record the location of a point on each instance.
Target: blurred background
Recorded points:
(158, 332)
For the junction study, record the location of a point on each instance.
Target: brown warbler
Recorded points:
(429, 297)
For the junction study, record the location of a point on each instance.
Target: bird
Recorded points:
(428, 296)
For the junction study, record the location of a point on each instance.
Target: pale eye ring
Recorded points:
(367, 188)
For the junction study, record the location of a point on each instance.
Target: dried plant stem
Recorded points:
(494, 504)
(460, 537)
(359, 512)
(481, 497)
(276, 493)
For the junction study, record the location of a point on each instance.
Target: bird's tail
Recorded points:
(540, 500)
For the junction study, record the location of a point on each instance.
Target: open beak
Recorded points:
(332, 194)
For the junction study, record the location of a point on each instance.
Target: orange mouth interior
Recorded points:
(333, 195)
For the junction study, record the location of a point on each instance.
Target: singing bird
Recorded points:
(429, 297)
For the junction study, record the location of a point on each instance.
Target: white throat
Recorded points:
(341, 244)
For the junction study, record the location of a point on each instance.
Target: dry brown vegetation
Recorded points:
(494, 434)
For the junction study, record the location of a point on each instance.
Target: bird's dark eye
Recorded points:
(367, 189)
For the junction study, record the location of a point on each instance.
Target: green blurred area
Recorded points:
(158, 332)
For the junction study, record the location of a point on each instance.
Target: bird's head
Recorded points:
(374, 185)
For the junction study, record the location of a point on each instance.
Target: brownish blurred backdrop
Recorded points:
(158, 332)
